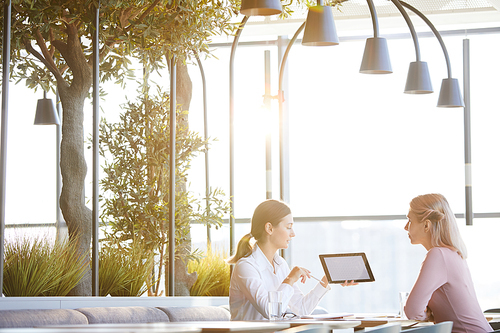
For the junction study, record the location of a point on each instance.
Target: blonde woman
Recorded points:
(444, 290)
(259, 269)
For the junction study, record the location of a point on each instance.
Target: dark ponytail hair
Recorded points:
(272, 211)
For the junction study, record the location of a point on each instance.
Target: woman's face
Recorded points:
(417, 231)
(283, 232)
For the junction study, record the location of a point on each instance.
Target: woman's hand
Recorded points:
(324, 282)
(347, 284)
(297, 273)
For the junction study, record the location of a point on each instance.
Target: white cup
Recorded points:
(275, 305)
(403, 296)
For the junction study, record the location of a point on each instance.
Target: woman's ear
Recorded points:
(427, 225)
(269, 228)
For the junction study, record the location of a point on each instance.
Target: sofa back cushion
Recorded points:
(31, 318)
(196, 313)
(129, 314)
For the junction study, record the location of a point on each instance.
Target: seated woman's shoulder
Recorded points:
(245, 261)
(245, 268)
(444, 252)
(442, 249)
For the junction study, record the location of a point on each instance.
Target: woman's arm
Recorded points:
(302, 304)
(432, 275)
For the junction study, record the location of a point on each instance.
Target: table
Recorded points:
(234, 326)
(119, 329)
(377, 319)
(192, 327)
(341, 325)
(374, 319)
(167, 327)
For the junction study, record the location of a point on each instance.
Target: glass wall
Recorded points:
(485, 119)
(31, 161)
(359, 146)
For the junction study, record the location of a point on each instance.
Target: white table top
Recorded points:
(111, 328)
(331, 324)
(188, 327)
(166, 327)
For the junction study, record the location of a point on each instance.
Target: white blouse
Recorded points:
(254, 276)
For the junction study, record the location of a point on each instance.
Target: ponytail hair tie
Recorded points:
(433, 215)
(426, 215)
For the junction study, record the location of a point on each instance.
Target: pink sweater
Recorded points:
(445, 285)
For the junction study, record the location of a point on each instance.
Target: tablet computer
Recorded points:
(346, 266)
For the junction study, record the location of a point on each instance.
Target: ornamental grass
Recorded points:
(39, 267)
(125, 269)
(213, 274)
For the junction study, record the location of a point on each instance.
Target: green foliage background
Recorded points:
(135, 186)
(148, 30)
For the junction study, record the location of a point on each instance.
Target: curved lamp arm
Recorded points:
(205, 137)
(373, 14)
(283, 62)
(283, 159)
(434, 30)
(231, 134)
(410, 25)
(376, 59)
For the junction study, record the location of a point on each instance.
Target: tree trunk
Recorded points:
(73, 166)
(183, 280)
(184, 87)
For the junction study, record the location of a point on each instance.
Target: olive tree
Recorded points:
(136, 185)
(52, 48)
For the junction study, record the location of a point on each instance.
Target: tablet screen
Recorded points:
(346, 266)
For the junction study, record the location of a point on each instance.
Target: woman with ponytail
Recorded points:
(259, 269)
(444, 290)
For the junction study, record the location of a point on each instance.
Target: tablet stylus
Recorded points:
(315, 278)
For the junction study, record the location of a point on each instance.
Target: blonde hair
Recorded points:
(444, 229)
(272, 211)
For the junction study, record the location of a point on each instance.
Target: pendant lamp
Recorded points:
(450, 95)
(260, 7)
(418, 80)
(320, 28)
(376, 58)
(45, 112)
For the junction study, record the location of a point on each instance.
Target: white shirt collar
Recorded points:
(261, 259)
